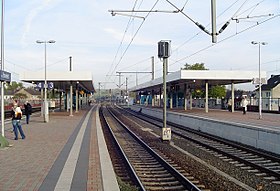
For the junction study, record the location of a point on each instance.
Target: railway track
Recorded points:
(149, 170)
(260, 163)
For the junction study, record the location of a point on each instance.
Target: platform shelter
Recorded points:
(182, 83)
(65, 82)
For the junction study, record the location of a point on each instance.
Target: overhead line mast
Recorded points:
(213, 13)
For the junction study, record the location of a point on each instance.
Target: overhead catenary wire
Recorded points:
(191, 38)
(132, 39)
(229, 37)
(237, 33)
(223, 40)
(117, 52)
(137, 63)
(181, 10)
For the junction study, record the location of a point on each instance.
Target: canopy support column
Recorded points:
(206, 96)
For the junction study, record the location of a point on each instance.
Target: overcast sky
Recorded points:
(104, 44)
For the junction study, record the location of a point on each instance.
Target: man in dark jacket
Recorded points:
(28, 111)
(16, 117)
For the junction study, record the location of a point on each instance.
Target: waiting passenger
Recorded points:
(244, 104)
(16, 117)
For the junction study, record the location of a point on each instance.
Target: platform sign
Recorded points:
(41, 85)
(166, 134)
(50, 85)
(5, 76)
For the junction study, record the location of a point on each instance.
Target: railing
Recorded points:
(268, 104)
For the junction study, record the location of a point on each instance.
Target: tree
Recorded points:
(196, 66)
(217, 91)
(14, 86)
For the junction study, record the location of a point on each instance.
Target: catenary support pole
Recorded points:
(206, 96)
(2, 68)
(213, 16)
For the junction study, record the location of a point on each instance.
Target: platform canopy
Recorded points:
(62, 80)
(197, 78)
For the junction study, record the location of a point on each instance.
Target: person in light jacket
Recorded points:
(244, 103)
(16, 117)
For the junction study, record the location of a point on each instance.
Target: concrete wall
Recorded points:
(262, 138)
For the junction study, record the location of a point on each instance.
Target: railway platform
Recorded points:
(268, 120)
(67, 153)
(247, 129)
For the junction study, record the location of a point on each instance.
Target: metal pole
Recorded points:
(213, 16)
(260, 84)
(136, 79)
(77, 99)
(2, 68)
(99, 92)
(153, 68)
(46, 113)
(126, 89)
(71, 89)
(206, 96)
(164, 91)
(71, 99)
(119, 80)
(232, 97)
(70, 63)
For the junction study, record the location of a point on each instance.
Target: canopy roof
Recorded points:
(197, 78)
(62, 80)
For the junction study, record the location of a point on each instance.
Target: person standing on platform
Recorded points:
(28, 111)
(229, 104)
(16, 117)
(244, 104)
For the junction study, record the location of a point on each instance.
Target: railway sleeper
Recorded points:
(156, 176)
(146, 171)
(150, 169)
(272, 164)
(167, 178)
(162, 183)
(147, 165)
(167, 188)
(273, 167)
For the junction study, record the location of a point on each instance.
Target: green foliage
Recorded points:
(198, 93)
(3, 142)
(14, 86)
(196, 66)
(214, 92)
(124, 186)
(217, 91)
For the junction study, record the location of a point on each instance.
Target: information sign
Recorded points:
(5, 76)
(166, 134)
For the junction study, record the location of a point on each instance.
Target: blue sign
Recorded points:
(40, 85)
(50, 85)
(5, 76)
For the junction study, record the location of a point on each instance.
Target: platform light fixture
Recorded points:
(260, 83)
(46, 107)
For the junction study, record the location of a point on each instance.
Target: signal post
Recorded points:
(164, 53)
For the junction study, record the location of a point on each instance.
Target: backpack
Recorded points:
(18, 113)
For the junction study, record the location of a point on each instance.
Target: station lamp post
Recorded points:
(260, 82)
(46, 107)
